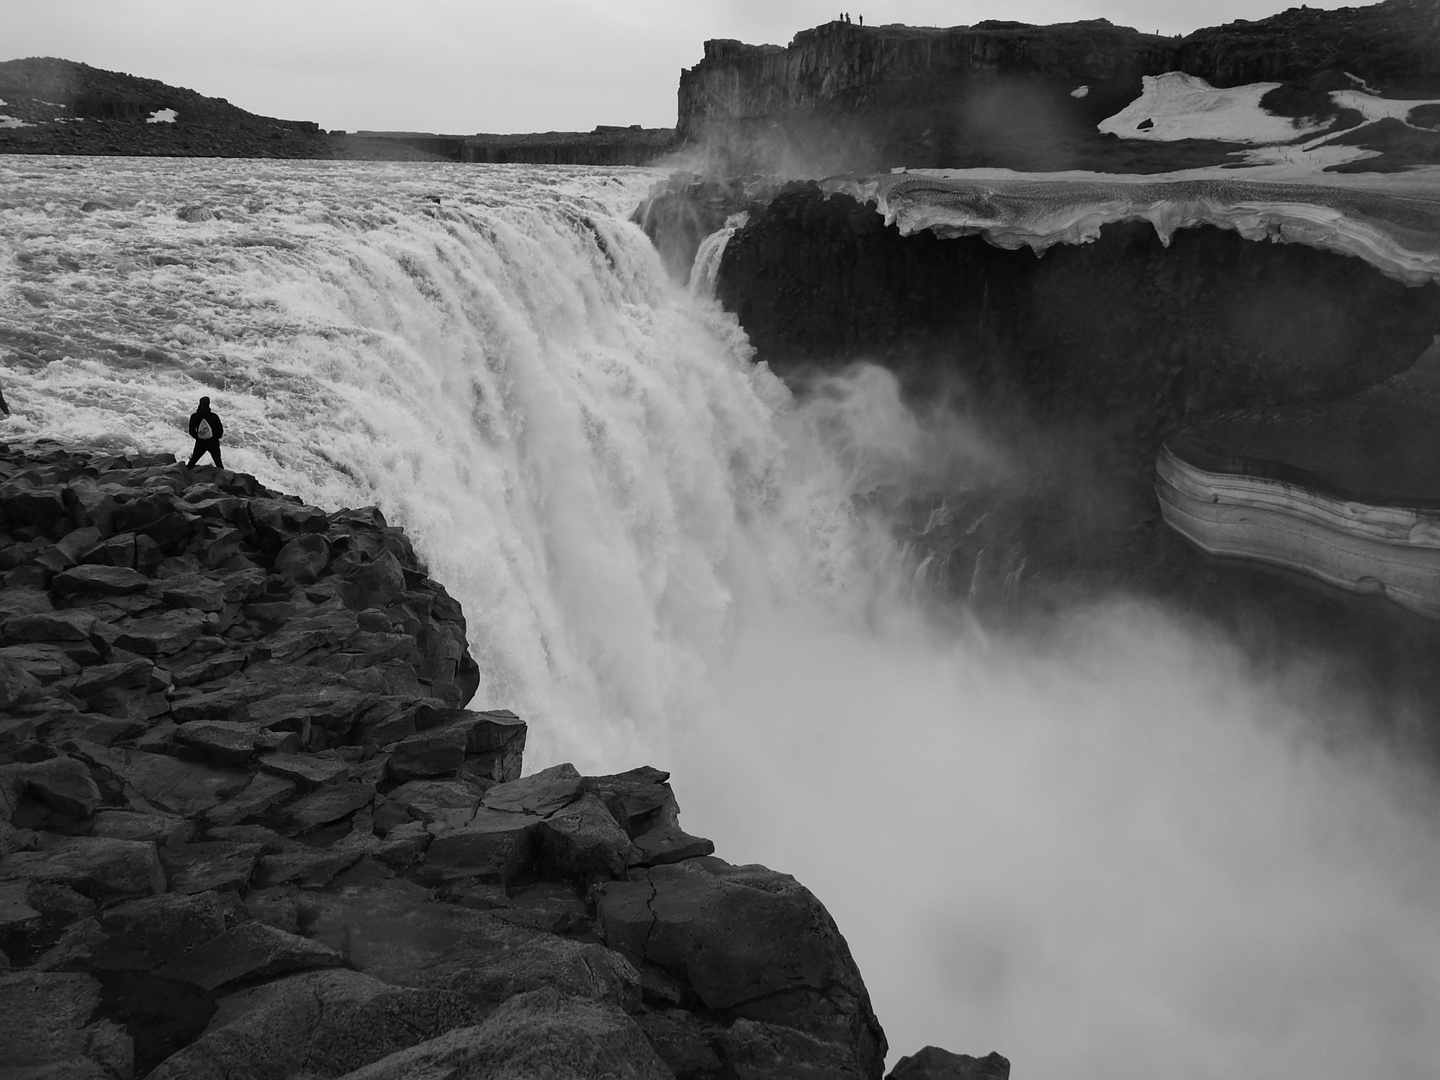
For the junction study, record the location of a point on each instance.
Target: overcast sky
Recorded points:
(466, 66)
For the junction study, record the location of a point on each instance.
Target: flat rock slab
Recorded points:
(669, 844)
(390, 930)
(305, 866)
(494, 846)
(543, 1033)
(166, 783)
(450, 802)
(248, 951)
(162, 829)
(541, 793)
(94, 580)
(226, 742)
(323, 1023)
(95, 866)
(45, 1020)
(160, 635)
(213, 864)
(329, 804)
(259, 795)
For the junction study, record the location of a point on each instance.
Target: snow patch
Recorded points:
(12, 121)
(161, 116)
(1378, 108)
(1177, 106)
(1080, 91)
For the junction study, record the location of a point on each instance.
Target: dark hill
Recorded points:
(71, 108)
(74, 108)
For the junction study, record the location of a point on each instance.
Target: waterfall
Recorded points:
(1119, 848)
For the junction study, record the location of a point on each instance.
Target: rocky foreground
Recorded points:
(247, 828)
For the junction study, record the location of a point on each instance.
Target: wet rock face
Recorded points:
(246, 824)
(1125, 330)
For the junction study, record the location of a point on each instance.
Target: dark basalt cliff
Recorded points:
(1124, 332)
(248, 828)
(842, 97)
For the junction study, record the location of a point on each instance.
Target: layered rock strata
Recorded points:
(247, 826)
(1346, 493)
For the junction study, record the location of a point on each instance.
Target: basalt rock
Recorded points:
(258, 861)
(843, 97)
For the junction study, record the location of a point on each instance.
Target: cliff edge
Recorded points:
(248, 826)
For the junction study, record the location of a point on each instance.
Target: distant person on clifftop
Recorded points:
(206, 429)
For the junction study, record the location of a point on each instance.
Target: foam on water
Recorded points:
(1119, 851)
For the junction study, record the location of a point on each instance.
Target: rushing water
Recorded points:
(1124, 851)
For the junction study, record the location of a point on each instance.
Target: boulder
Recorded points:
(543, 1033)
(582, 841)
(748, 942)
(258, 796)
(640, 800)
(303, 559)
(933, 1063)
(317, 1024)
(99, 867)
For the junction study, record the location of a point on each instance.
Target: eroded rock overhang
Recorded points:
(1390, 221)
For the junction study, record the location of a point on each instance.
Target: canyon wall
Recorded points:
(843, 97)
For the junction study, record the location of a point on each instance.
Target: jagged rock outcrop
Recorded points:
(843, 97)
(248, 826)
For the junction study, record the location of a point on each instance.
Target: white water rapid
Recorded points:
(1126, 853)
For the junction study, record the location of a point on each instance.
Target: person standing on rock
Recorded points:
(206, 429)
